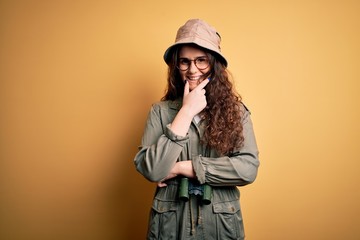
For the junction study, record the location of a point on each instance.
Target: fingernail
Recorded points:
(209, 79)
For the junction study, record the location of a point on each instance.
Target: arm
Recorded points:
(160, 148)
(159, 152)
(240, 169)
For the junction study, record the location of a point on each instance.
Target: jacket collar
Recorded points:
(176, 104)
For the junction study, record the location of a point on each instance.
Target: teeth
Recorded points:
(194, 78)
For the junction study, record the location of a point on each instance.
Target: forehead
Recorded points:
(191, 51)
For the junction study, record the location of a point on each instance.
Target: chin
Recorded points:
(193, 85)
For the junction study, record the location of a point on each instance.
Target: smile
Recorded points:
(195, 78)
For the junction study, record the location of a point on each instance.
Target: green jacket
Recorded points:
(172, 218)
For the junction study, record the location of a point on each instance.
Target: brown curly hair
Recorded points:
(224, 131)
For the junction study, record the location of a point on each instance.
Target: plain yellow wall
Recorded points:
(77, 79)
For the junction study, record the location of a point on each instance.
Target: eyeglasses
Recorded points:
(200, 62)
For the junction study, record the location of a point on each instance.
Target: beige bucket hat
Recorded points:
(200, 33)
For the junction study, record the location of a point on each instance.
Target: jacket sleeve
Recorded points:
(239, 169)
(160, 147)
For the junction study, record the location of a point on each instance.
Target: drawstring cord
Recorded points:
(199, 220)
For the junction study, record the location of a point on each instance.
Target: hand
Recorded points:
(183, 168)
(195, 101)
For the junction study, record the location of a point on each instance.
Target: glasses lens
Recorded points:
(201, 63)
(184, 64)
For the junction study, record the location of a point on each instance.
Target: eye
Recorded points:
(184, 61)
(201, 60)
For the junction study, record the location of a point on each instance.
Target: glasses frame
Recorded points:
(193, 60)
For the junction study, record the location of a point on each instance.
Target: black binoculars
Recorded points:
(184, 191)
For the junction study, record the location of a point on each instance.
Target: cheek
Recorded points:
(206, 71)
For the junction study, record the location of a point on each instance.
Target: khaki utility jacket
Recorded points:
(172, 218)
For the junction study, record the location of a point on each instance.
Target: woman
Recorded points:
(198, 143)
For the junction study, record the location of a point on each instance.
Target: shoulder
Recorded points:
(244, 108)
(245, 113)
(165, 110)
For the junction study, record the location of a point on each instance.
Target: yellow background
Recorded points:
(77, 79)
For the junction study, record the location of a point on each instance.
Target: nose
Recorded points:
(193, 68)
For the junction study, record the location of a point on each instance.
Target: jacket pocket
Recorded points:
(163, 220)
(229, 223)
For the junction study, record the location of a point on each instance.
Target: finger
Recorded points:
(186, 88)
(202, 84)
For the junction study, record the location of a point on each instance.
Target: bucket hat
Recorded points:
(198, 32)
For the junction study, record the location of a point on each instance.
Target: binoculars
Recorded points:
(184, 191)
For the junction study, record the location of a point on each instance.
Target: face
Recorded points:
(193, 74)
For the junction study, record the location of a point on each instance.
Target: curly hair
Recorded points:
(224, 131)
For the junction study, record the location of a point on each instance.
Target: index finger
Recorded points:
(203, 84)
(186, 88)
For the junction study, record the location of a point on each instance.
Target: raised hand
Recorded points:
(195, 101)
